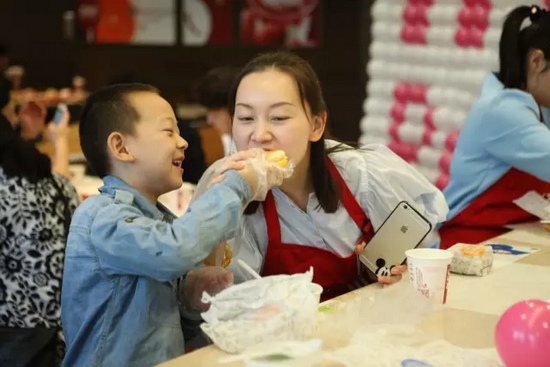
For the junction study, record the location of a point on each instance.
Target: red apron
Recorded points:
(487, 215)
(334, 273)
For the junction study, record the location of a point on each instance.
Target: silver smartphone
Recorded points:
(403, 230)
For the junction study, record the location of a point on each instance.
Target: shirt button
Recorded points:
(129, 220)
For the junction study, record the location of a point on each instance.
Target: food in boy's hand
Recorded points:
(213, 258)
(227, 256)
(279, 157)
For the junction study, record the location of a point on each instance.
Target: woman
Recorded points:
(503, 151)
(337, 196)
(36, 206)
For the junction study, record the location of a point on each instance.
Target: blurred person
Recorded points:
(503, 150)
(213, 90)
(36, 205)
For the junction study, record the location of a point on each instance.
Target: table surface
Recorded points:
(474, 304)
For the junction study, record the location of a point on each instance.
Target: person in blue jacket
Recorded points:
(503, 151)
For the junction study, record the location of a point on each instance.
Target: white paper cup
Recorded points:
(429, 272)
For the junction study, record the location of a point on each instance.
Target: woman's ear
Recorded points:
(319, 124)
(117, 146)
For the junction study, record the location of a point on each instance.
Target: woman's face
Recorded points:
(538, 77)
(269, 114)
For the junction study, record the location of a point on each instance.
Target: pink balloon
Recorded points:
(476, 37)
(417, 93)
(401, 92)
(397, 112)
(408, 33)
(480, 17)
(461, 37)
(409, 15)
(429, 118)
(445, 162)
(393, 131)
(442, 181)
(522, 334)
(465, 17)
(450, 142)
(427, 137)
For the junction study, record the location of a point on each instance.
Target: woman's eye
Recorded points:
(245, 119)
(279, 118)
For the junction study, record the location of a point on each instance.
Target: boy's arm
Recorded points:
(126, 242)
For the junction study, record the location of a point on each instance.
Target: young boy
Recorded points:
(123, 250)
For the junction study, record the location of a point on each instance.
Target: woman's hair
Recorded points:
(517, 41)
(19, 158)
(309, 88)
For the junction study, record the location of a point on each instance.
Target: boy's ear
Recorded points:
(117, 146)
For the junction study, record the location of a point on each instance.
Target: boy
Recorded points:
(124, 249)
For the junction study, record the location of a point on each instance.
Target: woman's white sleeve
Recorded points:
(387, 180)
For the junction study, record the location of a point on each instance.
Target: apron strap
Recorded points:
(272, 219)
(346, 197)
(350, 203)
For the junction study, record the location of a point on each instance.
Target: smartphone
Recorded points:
(403, 230)
(59, 113)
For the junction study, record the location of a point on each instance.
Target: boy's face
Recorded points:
(156, 149)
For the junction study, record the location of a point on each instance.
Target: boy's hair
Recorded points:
(107, 110)
(213, 88)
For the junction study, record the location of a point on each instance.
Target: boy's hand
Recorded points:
(233, 162)
(210, 279)
(260, 173)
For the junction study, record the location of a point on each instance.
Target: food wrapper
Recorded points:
(269, 309)
(471, 259)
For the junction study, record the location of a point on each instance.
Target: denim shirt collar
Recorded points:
(119, 189)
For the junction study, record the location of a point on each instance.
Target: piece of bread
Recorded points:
(279, 157)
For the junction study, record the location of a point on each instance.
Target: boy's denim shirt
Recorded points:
(118, 305)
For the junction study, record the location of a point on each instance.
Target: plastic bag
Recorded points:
(261, 163)
(270, 309)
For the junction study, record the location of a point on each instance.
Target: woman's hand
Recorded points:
(60, 130)
(396, 275)
(396, 271)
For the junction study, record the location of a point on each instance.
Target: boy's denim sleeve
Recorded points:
(126, 242)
